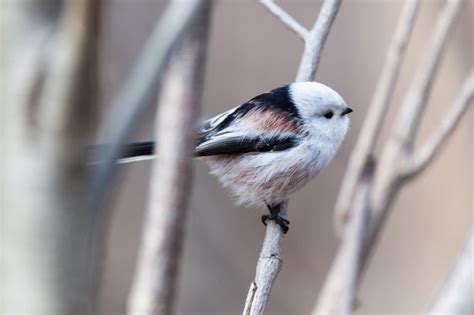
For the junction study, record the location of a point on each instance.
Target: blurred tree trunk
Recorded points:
(48, 102)
(154, 289)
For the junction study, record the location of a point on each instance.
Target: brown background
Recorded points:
(251, 52)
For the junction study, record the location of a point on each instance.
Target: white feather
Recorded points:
(270, 177)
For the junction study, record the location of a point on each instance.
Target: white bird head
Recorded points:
(323, 110)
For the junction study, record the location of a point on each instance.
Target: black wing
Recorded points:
(224, 133)
(278, 99)
(237, 144)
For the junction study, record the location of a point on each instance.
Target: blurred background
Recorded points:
(251, 52)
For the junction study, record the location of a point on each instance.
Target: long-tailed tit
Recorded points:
(270, 146)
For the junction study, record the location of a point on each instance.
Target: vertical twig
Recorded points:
(361, 156)
(154, 286)
(417, 98)
(316, 39)
(338, 294)
(268, 266)
(388, 177)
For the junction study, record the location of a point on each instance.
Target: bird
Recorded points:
(272, 145)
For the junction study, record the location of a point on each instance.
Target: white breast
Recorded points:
(269, 178)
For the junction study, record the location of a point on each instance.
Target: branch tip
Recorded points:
(285, 18)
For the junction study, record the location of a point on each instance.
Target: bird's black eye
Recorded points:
(329, 114)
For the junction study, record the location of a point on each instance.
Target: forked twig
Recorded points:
(384, 179)
(423, 156)
(397, 151)
(316, 39)
(285, 18)
(361, 156)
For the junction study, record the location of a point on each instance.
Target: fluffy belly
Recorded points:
(268, 178)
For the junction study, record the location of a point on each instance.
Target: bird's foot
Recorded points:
(278, 220)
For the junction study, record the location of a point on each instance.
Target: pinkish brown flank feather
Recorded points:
(271, 120)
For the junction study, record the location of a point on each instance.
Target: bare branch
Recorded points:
(137, 94)
(268, 267)
(287, 19)
(270, 261)
(338, 293)
(316, 39)
(415, 102)
(361, 157)
(387, 178)
(422, 158)
(154, 286)
(456, 295)
(383, 184)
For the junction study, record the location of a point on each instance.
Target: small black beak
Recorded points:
(346, 111)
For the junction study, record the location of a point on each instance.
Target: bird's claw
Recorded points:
(278, 220)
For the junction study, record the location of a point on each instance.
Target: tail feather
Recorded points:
(131, 150)
(138, 149)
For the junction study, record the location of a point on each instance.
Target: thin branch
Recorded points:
(316, 39)
(422, 158)
(388, 178)
(386, 182)
(249, 299)
(338, 293)
(268, 267)
(361, 157)
(137, 94)
(154, 286)
(416, 101)
(285, 18)
(270, 261)
(456, 296)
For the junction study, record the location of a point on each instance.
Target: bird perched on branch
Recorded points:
(270, 146)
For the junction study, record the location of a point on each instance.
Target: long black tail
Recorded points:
(138, 149)
(131, 150)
